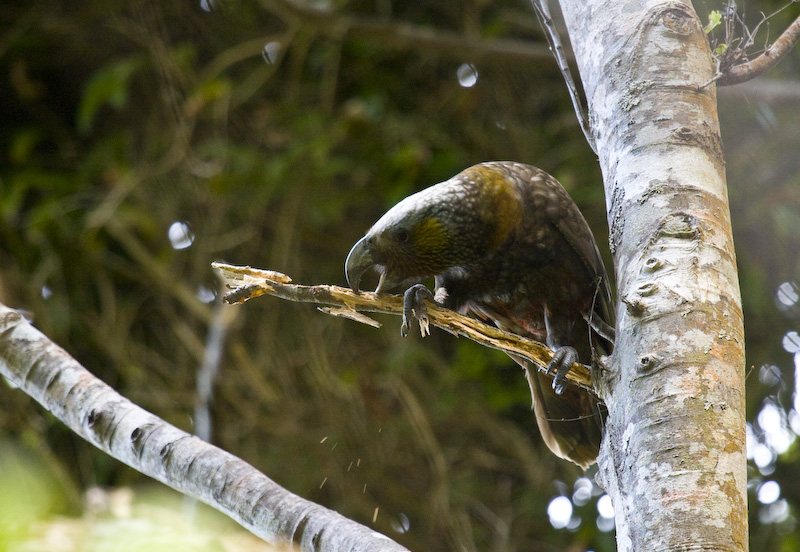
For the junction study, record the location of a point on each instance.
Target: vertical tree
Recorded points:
(673, 457)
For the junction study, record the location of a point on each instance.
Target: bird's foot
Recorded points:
(414, 306)
(563, 359)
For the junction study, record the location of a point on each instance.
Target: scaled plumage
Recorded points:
(505, 241)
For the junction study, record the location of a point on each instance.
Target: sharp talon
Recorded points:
(414, 306)
(553, 365)
(424, 326)
(563, 359)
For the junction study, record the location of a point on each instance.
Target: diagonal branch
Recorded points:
(542, 10)
(766, 61)
(247, 283)
(159, 450)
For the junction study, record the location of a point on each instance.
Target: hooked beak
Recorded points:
(358, 261)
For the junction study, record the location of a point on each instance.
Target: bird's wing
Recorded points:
(561, 211)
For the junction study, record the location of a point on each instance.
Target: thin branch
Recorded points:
(218, 327)
(731, 53)
(246, 283)
(403, 36)
(159, 450)
(766, 61)
(542, 10)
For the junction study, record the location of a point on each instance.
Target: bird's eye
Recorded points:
(402, 235)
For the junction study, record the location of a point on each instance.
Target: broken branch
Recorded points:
(247, 283)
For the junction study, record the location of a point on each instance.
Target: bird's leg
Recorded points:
(563, 359)
(563, 356)
(414, 305)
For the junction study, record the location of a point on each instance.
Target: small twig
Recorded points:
(766, 61)
(246, 283)
(731, 56)
(554, 39)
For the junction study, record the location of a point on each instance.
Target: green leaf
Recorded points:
(721, 49)
(714, 19)
(108, 86)
(23, 144)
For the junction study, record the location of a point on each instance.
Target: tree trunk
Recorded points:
(673, 457)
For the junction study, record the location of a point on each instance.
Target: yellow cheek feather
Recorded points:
(501, 207)
(429, 236)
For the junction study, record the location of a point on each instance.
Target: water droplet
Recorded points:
(205, 295)
(47, 293)
(401, 523)
(271, 51)
(791, 342)
(180, 235)
(559, 511)
(768, 492)
(769, 374)
(788, 294)
(467, 75)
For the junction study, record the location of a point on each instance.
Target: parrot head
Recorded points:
(448, 225)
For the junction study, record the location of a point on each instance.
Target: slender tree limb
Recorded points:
(542, 10)
(159, 450)
(404, 36)
(221, 319)
(246, 283)
(766, 61)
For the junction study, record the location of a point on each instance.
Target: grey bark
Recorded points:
(673, 457)
(150, 445)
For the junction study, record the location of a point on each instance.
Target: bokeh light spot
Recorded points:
(560, 512)
(791, 342)
(768, 492)
(788, 294)
(605, 507)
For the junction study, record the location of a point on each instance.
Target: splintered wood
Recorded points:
(245, 283)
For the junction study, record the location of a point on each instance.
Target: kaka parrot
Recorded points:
(505, 242)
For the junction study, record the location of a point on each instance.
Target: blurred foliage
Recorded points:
(277, 142)
(32, 495)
